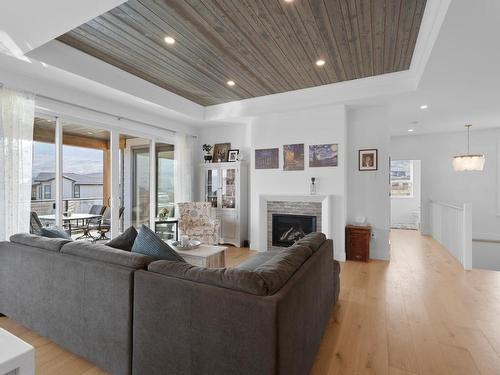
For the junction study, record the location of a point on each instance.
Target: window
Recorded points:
(164, 177)
(76, 191)
(47, 192)
(401, 178)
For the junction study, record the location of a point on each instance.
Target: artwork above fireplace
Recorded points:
(287, 229)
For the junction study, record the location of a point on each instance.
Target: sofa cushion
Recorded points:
(54, 232)
(277, 270)
(52, 244)
(313, 240)
(124, 241)
(148, 243)
(255, 261)
(230, 278)
(106, 254)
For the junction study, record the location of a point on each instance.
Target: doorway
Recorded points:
(406, 194)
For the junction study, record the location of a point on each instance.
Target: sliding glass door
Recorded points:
(140, 187)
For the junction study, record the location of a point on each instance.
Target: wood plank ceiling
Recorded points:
(264, 46)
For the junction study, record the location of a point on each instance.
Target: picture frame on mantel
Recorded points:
(368, 159)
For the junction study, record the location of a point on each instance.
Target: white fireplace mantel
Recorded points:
(326, 212)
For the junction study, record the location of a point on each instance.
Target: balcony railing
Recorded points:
(75, 205)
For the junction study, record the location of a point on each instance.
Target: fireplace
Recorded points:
(289, 228)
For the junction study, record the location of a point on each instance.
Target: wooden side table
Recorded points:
(357, 242)
(209, 256)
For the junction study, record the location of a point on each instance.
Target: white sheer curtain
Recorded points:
(17, 112)
(183, 184)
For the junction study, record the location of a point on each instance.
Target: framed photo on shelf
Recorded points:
(220, 152)
(232, 155)
(368, 159)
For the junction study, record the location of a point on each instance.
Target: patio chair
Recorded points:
(104, 225)
(35, 224)
(95, 209)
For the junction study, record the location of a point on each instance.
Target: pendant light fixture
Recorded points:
(468, 161)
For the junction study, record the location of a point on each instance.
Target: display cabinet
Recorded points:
(225, 186)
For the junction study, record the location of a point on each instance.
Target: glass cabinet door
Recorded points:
(211, 186)
(229, 188)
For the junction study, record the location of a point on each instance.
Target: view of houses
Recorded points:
(74, 186)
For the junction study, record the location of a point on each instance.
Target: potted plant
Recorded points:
(208, 152)
(163, 214)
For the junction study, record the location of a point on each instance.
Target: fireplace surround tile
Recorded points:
(291, 208)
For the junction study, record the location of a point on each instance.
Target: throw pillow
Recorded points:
(55, 232)
(148, 243)
(124, 241)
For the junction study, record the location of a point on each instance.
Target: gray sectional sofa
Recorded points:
(131, 315)
(77, 294)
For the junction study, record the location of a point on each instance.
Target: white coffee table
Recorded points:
(16, 356)
(208, 256)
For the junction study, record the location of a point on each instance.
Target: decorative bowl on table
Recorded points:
(189, 245)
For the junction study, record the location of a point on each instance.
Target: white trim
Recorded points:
(58, 142)
(152, 183)
(69, 59)
(498, 176)
(432, 20)
(115, 182)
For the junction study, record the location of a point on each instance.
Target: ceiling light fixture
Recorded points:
(468, 161)
(169, 40)
(411, 130)
(424, 106)
(230, 83)
(320, 62)
(288, 1)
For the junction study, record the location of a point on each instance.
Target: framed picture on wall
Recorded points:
(293, 157)
(323, 155)
(368, 159)
(267, 158)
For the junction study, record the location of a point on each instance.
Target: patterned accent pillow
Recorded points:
(55, 232)
(148, 243)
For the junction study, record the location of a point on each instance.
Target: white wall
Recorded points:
(91, 191)
(440, 182)
(485, 254)
(406, 210)
(317, 125)
(368, 191)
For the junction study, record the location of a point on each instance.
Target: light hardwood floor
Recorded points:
(419, 314)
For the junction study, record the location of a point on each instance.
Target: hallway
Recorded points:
(419, 314)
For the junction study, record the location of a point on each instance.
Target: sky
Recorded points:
(75, 159)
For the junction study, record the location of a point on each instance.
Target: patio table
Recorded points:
(74, 217)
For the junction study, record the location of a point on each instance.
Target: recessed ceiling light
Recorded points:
(424, 106)
(230, 83)
(169, 40)
(411, 130)
(320, 62)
